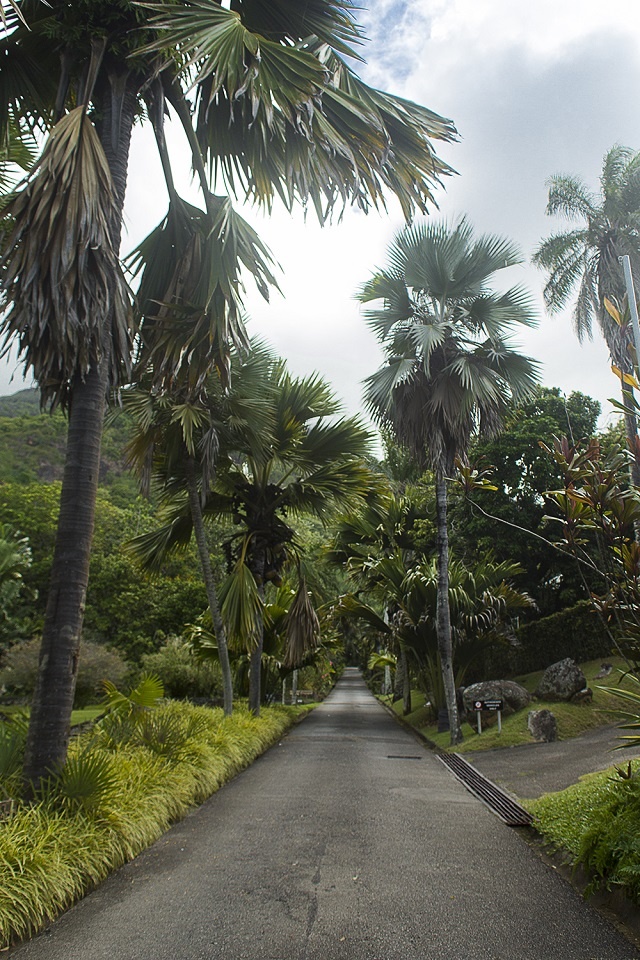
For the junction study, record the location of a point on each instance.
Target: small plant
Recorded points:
(145, 696)
(86, 781)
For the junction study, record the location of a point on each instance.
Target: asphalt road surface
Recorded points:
(531, 769)
(347, 841)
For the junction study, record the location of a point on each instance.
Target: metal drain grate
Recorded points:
(499, 802)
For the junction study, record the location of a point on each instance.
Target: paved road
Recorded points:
(348, 841)
(532, 769)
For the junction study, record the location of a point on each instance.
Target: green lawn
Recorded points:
(573, 719)
(77, 717)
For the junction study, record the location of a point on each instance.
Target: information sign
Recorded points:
(495, 705)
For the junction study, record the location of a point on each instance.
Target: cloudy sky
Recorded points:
(534, 89)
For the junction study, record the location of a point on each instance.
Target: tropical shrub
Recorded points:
(182, 674)
(97, 663)
(598, 821)
(15, 560)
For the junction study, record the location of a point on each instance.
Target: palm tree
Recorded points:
(306, 462)
(450, 370)
(584, 262)
(269, 104)
(176, 443)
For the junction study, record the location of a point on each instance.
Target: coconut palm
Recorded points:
(583, 263)
(270, 106)
(450, 370)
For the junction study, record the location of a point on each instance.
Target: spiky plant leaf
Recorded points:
(144, 696)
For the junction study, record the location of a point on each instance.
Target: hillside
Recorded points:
(22, 403)
(32, 445)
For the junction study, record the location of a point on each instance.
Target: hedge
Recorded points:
(576, 632)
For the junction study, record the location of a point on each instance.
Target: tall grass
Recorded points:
(145, 777)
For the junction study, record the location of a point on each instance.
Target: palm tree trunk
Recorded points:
(406, 682)
(212, 596)
(443, 615)
(257, 564)
(50, 721)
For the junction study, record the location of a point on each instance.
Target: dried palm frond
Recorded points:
(302, 629)
(190, 292)
(69, 305)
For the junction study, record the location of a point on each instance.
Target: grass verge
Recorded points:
(53, 853)
(596, 822)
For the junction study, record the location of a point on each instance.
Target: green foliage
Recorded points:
(598, 821)
(145, 696)
(632, 719)
(395, 591)
(114, 799)
(13, 737)
(20, 404)
(126, 608)
(522, 473)
(133, 611)
(577, 632)
(33, 446)
(181, 673)
(598, 515)
(33, 509)
(97, 663)
(15, 560)
(87, 782)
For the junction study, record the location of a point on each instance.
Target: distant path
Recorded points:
(348, 841)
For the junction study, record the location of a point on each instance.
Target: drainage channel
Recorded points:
(492, 796)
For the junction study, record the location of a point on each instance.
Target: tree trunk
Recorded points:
(50, 721)
(443, 615)
(258, 561)
(631, 431)
(207, 574)
(406, 682)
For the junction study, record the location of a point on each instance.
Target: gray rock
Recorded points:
(561, 681)
(514, 696)
(605, 670)
(583, 696)
(542, 725)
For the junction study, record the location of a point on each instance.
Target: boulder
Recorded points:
(605, 670)
(542, 725)
(512, 694)
(583, 696)
(561, 681)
